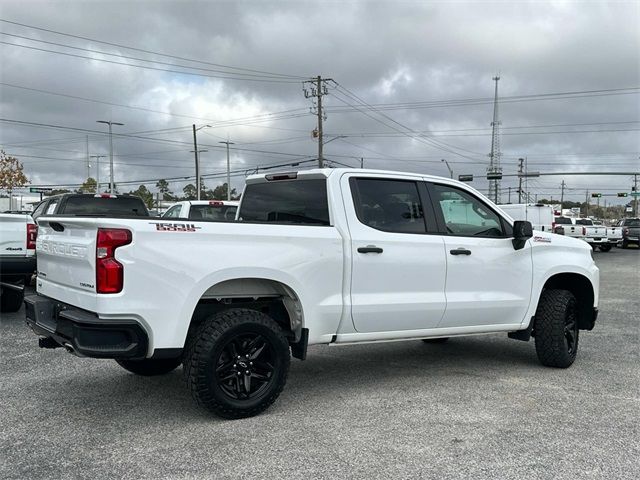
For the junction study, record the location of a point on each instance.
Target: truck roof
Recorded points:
(327, 172)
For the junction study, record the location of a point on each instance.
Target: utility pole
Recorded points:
(494, 169)
(110, 123)
(361, 162)
(586, 201)
(319, 89)
(509, 201)
(448, 167)
(228, 169)
(98, 157)
(196, 152)
(562, 185)
(520, 171)
(88, 161)
(635, 197)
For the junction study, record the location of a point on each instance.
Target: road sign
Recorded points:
(40, 190)
(635, 194)
(465, 178)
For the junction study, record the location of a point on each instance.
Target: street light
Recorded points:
(110, 123)
(228, 170)
(195, 151)
(449, 167)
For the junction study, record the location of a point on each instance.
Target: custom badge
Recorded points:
(542, 239)
(175, 227)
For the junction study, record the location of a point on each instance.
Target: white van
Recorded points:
(540, 216)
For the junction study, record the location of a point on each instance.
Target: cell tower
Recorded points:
(494, 171)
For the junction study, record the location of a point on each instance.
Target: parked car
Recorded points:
(17, 258)
(217, 210)
(598, 236)
(540, 215)
(88, 204)
(332, 256)
(630, 232)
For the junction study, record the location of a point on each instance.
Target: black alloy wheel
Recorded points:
(245, 366)
(236, 362)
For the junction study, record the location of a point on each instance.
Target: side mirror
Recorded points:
(522, 231)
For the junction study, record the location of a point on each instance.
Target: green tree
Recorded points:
(89, 186)
(190, 192)
(11, 173)
(163, 188)
(144, 193)
(220, 193)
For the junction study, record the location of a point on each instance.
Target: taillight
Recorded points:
(110, 272)
(625, 231)
(32, 234)
(584, 231)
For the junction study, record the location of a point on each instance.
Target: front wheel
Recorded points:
(605, 248)
(149, 367)
(556, 329)
(237, 363)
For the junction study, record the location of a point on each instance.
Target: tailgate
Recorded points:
(13, 235)
(66, 251)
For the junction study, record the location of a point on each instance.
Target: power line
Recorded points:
(148, 67)
(128, 47)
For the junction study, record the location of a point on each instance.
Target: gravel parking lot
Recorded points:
(476, 407)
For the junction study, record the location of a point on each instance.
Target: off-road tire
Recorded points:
(150, 367)
(436, 340)
(556, 319)
(210, 345)
(11, 300)
(605, 248)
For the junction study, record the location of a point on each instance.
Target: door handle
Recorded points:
(369, 249)
(460, 251)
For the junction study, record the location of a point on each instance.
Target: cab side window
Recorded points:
(173, 212)
(465, 215)
(388, 205)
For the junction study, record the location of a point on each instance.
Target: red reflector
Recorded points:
(216, 203)
(110, 272)
(32, 234)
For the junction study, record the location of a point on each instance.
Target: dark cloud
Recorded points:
(384, 52)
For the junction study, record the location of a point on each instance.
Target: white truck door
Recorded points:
(488, 281)
(398, 269)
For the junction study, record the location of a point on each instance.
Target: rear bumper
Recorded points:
(82, 332)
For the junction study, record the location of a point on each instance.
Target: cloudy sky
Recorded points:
(409, 84)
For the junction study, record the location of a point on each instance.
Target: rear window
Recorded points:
(219, 213)
(632, 222)
(583, 221)
(302, 202)
(89, 205)
(563, 221)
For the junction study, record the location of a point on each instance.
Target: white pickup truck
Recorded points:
(216, 210)
(315, 257)
(17, 258)
(598, 236)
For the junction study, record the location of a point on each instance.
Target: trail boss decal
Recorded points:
(175, 227)
(542, 239)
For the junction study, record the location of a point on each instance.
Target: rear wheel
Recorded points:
(11, 300)
(556, 329)
(237, 363)
(625, 243)
(605, 248)
(150, 367)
